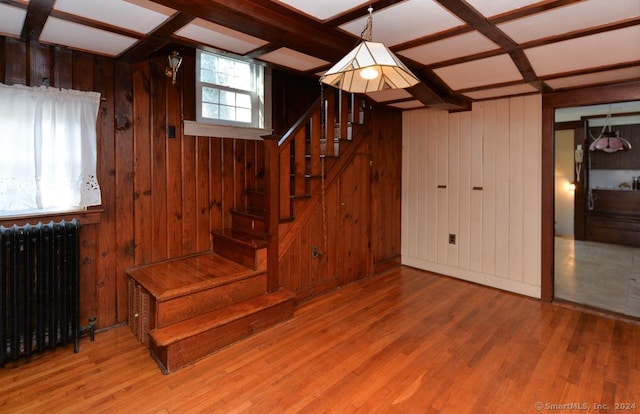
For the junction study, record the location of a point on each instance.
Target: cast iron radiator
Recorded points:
(39, 292)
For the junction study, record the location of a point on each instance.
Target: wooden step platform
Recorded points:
(168, 292)
(183, 343)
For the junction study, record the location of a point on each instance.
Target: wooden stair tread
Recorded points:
(186, 275)
(244, 237)
(254, 214)
(168, 335)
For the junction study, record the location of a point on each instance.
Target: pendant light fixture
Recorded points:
(608, 140)
(370, 67)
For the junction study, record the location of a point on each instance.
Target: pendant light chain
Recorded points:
(370, 23)
(323, 137)
(368, 28)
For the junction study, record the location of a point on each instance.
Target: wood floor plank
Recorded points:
(407, 341)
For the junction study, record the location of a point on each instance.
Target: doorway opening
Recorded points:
(597, 208)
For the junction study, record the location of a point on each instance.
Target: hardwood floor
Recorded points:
(407, 341)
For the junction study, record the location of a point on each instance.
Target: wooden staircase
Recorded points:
(187, 308)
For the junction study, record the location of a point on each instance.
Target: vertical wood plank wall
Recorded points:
(362, 212)
(475, 175)
(163, 196)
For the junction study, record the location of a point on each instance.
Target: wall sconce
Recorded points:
(175, 60)
(572, 187)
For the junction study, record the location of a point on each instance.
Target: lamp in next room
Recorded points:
(608, 140)
(175, 60)
(370, 67)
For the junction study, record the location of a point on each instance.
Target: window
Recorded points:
(229, 91)
(48, 150)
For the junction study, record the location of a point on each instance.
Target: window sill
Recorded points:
(92, 216)
(224, 131)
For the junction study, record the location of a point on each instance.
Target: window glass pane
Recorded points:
(208, 60)
(228, 98)
(223, 79)
(243, 100)
(226, 66)
(242, 76)
(210, 111)
(243, 115)
(207, 76)
(228, 113)
(210, 95)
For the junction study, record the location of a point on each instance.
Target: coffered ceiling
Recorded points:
(462, 50)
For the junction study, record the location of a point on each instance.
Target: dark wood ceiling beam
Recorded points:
(495, 20)
(268, 48)
(15, 3)
(359, 12)
(530, 10)
(582, 33)
(95, 24)
(37, 13)
(592, 70)
(158, 38)
(493, 86)
(477, 21)
(455, 31)
(271, 22)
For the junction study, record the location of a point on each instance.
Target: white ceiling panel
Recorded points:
(292, 59)
(406, 21)
(570, 18)
(220, 37)
(585, 52)
(504, 91)
(120, 13)
(11, 20)
(493, 7)
(408, 105)
(481, 72)
(389, 95)
(595, 78)
(323, 10)
(450, 48)
(77, 36)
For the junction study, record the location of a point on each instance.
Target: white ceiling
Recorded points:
(405, 21)
(568, 44)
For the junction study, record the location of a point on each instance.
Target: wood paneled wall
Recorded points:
(362, 216)
(163, 196)
(476, 176)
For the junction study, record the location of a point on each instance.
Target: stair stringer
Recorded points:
(290, 231)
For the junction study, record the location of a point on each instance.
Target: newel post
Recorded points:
(271, 199)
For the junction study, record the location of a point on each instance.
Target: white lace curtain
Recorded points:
(48, 149)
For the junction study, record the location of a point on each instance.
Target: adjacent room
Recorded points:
(597, 244)
(416, 206)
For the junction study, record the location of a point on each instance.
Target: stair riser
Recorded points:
(184, 307)
(254, 258)
(248, 224)
(255, 201)
(188, 350)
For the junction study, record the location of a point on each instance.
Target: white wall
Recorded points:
(496, 147)
(564, 175)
